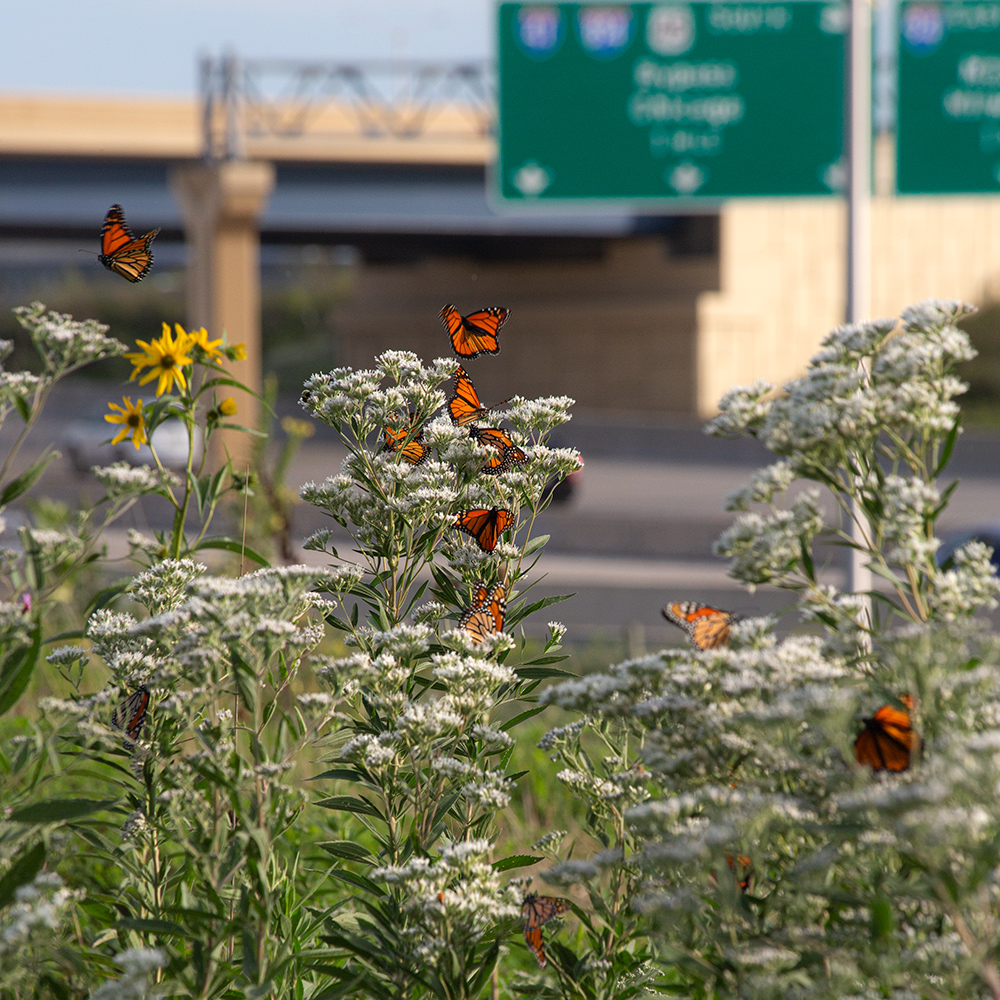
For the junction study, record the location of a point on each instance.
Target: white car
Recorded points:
(88, 443)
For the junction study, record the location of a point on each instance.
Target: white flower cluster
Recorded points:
(162, 587)
(452, 899)
(65, 343)
(122, 480)
(138, 965)
(42, 904)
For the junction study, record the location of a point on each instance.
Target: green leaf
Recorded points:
(338, 774)
(882, 924)
(27, 479)
(543, 660)
(949, 446)
(151, 926)
(347, 849)
(24, 868)
(511, 723)
(516, 861)
(352, 878)
(535, 544)
(231, 545)
(543, 603)
(541, 673)
(57, 810)
(350, 803)
(16, 670)
(23, 408)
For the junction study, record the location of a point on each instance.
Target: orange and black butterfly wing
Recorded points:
(706, 627)
(464, 407)
(121, 252)
(887, 741)
(492, 437)
(115, 232)
(414, 451)
(536, 911)
(476, 333)
(504, 461)
(533, 939)
(130, 715)
(485, 616)
(485, 525)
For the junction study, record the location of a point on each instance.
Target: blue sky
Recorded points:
(108, 46)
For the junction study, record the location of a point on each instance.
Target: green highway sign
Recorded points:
(948, 114)
(661, 102)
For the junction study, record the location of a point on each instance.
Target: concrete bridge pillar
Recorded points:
(221, 203)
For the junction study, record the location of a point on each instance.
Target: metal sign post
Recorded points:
(859, 185)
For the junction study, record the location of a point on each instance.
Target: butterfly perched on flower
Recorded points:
(484, 524)
(130, 715)
(888, 740)
(485, 615)
(505, 453)
(476, 333)
(464, 406)
(121, 252)
(414, 451)
(706, 627)
(536, 911)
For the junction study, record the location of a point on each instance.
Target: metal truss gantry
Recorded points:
(247, 100)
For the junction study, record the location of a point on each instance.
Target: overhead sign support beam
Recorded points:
(859, 186)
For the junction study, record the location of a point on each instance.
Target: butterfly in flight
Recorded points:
(121, 252)
(485, 525)
(485, 616)
(536, 911)
(476, 333)
(706, 627)
(464, 406)
(414, 451)
(130, 715)
(888, 740)
(505, 453)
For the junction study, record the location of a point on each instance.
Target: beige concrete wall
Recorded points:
(783, 278)
(162, 127)
(618, 333)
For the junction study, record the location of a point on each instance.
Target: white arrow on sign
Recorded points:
(686, 178)
(531, 179)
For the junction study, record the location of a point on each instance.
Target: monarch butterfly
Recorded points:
(130, 715)
(464, 406)
(507, 453)
(745, 873)
(536, 911)
(414, 451)
(887, 741)
(706, 627)
(121, 252)
(476, 333)
(484, 524)
(485, 616)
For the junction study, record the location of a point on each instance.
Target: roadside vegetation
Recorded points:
(355, 777)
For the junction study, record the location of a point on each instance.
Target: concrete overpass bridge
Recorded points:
(622, 311)
(396, 165)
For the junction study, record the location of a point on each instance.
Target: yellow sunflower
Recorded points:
(131, 419)
(199, 339)
(166, 359)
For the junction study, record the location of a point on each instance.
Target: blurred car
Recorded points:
(87, 442)
(988, 534)
(562, 490)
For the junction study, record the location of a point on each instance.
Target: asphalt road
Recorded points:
(637, 532)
